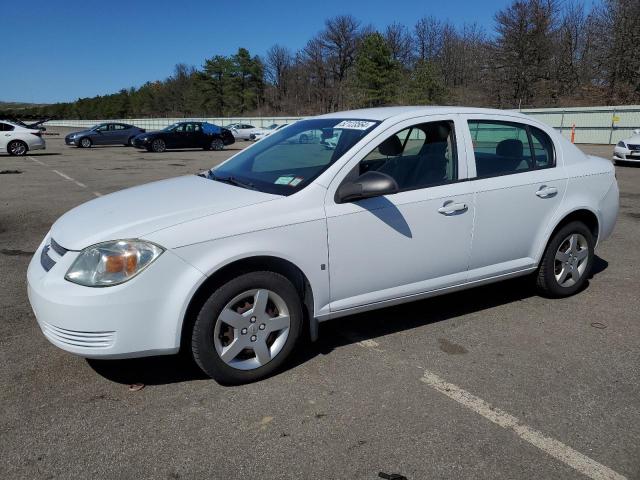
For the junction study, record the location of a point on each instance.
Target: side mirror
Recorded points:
(368, 185)
(637, 131)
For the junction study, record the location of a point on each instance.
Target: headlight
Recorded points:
(112, 263)
(622, 144)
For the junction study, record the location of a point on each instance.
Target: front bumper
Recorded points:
(71, 141)
(139, 143)
(138, 318)
(625, 155)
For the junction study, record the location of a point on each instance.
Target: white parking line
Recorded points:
(550, 446)
(65, 176)
(39, 162)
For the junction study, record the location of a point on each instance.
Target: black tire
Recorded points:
(546, 280)
(17, 148)
(129, 142)
(202, 337)
(158, 145)
(216, 145)
(85, 142)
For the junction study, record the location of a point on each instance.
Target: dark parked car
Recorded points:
(186, 135)
(104, 134)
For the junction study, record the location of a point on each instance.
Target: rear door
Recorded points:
(519, 184)
(120, 133)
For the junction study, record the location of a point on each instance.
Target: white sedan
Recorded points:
(18, 140)
(628, 150)
(237, 264)
(242, 131)
(260, 133)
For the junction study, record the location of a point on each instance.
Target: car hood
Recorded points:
(137, 211)
(633, 140)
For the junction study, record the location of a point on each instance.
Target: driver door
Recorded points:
(411, 242)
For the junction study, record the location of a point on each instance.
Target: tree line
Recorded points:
(541, 53)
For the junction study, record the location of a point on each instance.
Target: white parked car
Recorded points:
(238, 263)
(18, 140)
(260, 133)
(628, 150)
(241, 131)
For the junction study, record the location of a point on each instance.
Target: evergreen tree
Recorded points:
(376, 73)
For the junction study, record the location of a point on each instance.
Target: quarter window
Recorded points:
(503, 148)
(419, 156)
(5, 127)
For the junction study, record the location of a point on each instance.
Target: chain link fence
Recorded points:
(600, 125)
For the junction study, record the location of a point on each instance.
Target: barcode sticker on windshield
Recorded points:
(354, 124)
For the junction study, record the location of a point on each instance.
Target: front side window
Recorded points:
(503, 148)
(102, 128)
(289, 159)
(419, 156)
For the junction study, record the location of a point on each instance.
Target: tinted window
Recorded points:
(5, 127)
(502, 148)
(102, 128)
(542, 148)
(416, 157)
(119, 126)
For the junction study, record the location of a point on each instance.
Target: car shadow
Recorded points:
(347, 330)
(43, 154)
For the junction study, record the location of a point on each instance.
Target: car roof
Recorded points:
(384, 113)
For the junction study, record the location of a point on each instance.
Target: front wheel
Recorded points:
(567, 261)
(247, 328)
(158, 145)
(85, 142)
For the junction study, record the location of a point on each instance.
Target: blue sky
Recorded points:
(64, 50)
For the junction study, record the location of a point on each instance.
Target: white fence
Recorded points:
(602, 125)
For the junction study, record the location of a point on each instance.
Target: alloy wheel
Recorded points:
(158, 145)
(252, 329)
(571, 260)
(217, 145)
(18, 148)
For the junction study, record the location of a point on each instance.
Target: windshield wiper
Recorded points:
(232, 181)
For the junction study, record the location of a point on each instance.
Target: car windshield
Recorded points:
(171, 127)
(290, 158)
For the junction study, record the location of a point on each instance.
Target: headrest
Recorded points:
(438, 133)
(391, 147)
(509, 148)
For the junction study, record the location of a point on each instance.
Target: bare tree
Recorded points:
(400, 43)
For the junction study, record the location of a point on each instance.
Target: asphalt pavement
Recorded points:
(494, 382)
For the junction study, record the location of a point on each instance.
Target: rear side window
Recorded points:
(5, 127)
(503, 148)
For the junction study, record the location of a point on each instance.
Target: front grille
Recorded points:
(45, 258)
(77, 338)
(633, 147)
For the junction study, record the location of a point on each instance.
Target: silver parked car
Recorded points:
(104, 134)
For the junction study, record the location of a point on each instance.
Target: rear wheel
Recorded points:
(158, 145)
(85, 142)
(129, 142)
(247, 328)
(567, 261)
(17, 148)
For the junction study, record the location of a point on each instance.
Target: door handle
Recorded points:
(547, 192)
(449, 208)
